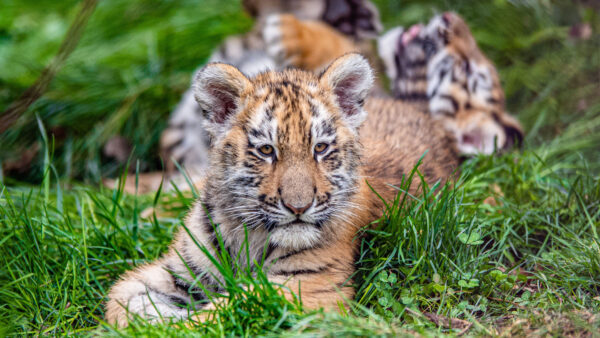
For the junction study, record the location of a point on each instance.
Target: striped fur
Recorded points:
(307, 191)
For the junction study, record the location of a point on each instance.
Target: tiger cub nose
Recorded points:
(297, 210)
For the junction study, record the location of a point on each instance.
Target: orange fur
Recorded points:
(312, 45)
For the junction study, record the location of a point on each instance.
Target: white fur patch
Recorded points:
(154, 306)
(439, 82)
(296, 236)
(185, 136)
(250, 61)
(267, 129)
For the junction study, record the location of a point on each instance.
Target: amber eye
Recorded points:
(266, 150)
(321, 147)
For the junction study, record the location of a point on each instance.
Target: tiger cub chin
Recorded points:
(290, 153)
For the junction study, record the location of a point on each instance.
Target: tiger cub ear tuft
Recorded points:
(218, 87)
(350, 77)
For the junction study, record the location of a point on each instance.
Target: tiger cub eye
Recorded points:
(321, 147)
(266, 150)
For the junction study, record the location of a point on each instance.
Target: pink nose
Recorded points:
(411, 33)
(297, 210)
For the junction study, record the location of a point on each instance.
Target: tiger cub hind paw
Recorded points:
(308, 45)
(281, 36)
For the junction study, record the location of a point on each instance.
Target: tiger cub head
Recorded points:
(440, 63)
(284, 148)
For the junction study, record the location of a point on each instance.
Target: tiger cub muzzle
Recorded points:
(298, 199)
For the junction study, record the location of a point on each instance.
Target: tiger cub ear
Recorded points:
(218, 87)
(350, 77)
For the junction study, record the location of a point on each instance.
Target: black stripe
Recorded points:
(416, 64)
(492, 100)
(324, 290)
(416, 77)
(443, 73)
(331, 153)
(205, 219)
(334, 289)
(303, 271)
(292, 253)
(496, 117)
(175, 299)
(411, 96)
(247, 181)
(269, 251)
(196, 293)
(397, 62)
(452, 101)
(250, 144)
(170, 148)
(313, 110)
(253, 156)
(256, 133)
(327, 129)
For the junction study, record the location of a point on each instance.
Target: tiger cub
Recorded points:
(292, 157)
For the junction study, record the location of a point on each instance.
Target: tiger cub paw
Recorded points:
(282, 35)
(308, 45)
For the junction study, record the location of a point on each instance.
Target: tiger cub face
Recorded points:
(284, 147)
(440, 63)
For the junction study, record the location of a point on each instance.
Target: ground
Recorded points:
(511, 248)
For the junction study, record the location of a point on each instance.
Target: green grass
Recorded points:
(528, 263)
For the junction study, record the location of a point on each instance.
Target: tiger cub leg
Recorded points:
(149, 292)
(405, 64)
(309, 45)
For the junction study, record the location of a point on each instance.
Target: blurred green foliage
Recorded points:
(129, 70)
